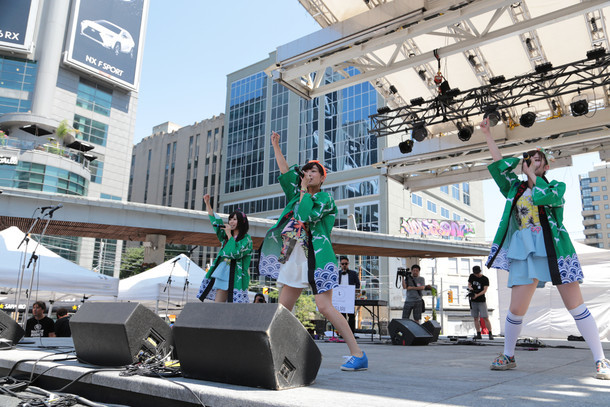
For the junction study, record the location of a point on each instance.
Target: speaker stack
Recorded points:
(9, 329)
(118, 333)
(433, 327)
(407, 332)
(261, 345)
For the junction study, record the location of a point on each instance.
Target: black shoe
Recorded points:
(477, 336)
(491, 337)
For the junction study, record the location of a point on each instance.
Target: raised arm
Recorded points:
(208, 206)
(493, 148)
(277, 150)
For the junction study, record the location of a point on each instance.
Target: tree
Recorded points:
(132, 262)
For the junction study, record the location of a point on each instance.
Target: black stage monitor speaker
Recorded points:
(408, 332)
(10, 329)
(257, 345)
(433, 327)
(118, 333)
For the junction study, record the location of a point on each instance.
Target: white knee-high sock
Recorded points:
(588, 329)
(512, 329)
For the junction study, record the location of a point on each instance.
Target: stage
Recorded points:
(441, 374)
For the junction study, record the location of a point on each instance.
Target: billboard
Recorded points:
(17, 21)
(106, 39)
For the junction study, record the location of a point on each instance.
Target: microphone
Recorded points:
(54, 209)
(526, 158)
(44, 208)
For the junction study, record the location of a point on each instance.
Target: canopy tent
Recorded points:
(547, 317)
(151, 288)
(55, 277)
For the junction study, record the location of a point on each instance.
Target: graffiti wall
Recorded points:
(414, 227)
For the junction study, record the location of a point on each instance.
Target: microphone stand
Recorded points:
(186, 280)
(25, 239)
(34, 258)
(168, 286)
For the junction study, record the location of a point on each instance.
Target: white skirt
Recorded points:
(293, 273)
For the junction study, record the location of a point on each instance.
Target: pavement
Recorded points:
(446, 373)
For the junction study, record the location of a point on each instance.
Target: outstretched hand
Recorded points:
(275, 138)
(485, 127)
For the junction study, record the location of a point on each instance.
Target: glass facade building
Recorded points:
(17, 81)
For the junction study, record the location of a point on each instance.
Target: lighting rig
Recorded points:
(493, 99)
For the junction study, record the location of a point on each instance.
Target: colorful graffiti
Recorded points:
(436, 228)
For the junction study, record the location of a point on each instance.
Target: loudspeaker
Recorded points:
(9, 329)
(257, 345)
(118, 333)
(433, 327)
(408, 332)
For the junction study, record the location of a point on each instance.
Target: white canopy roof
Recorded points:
(55, 276)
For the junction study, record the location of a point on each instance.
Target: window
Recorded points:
(466, 193)
(17, 80)
(90, 130)
(452, 266)
(97, 170)
(465, 267)
(417, 200)
(431, 206)
(445, 213)
(455, 191)
(456, 217)
(445, 189)
(367, 217)
(94, 97)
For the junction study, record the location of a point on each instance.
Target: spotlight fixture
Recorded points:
(594, 27)
(417, 101)
(579, 107)
(419, 132)
(393, 90)
(465, 131)
(383, 109)
(452, 92)
(527, 119)
(497, 80)
(544, 68)
(491, 113)
(528, 44)
(406, 146)
(422, 74)
(596, 53)
(472, 60)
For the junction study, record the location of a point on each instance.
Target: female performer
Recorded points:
(534, 247)
(228, 279)
(297, 251)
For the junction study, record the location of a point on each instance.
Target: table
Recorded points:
(374, 310)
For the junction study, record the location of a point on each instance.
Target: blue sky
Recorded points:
(191, 46)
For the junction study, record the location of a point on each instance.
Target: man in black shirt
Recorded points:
(349, 277)
(62, 325)
(477, 285)
(39, 325)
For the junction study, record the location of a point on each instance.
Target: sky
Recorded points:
(192, 45)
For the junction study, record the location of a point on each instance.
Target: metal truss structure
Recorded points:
(456, 106)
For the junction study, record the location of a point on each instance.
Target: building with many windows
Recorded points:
(334, 129)
(54, 71)
(596, 206)
(176, 166)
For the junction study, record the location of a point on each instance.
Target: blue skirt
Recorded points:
(221, 275)
(528, 259)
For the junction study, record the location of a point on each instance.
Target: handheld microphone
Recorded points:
(526, 158)
(54, 209)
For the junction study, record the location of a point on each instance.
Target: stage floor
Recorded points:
(440, 374)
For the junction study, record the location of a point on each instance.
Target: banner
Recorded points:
(414, 227)
(17, 20)
(344, 298)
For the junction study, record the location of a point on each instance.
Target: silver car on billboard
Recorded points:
(109, 35)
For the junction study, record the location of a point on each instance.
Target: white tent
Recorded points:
(547, 316)
(151, 287)
(55, 278)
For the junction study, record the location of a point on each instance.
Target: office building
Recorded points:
(78, 63)
(596, 206)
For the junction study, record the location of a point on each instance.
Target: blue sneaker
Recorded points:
(354, 363)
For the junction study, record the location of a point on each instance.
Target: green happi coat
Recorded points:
(318, 212)
(564, 265)
(239, 253)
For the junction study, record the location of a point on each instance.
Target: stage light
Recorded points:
(544, 68)
(527, 119)
(383, 109)
(579, 107)
(596, 53)
(452, 92)
(419, 131)
(497, 80)
(465, 131)
(594, 27)
(406, 146)
(491, 113)
(422, 74)
(417, 101)
(528, 44)
(472, 60)
(393, 90)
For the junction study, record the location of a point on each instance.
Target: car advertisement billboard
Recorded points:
(17, 20)
(106, 38)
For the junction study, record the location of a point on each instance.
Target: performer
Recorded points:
(227, 279)
(534, 247)
(297, 251)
